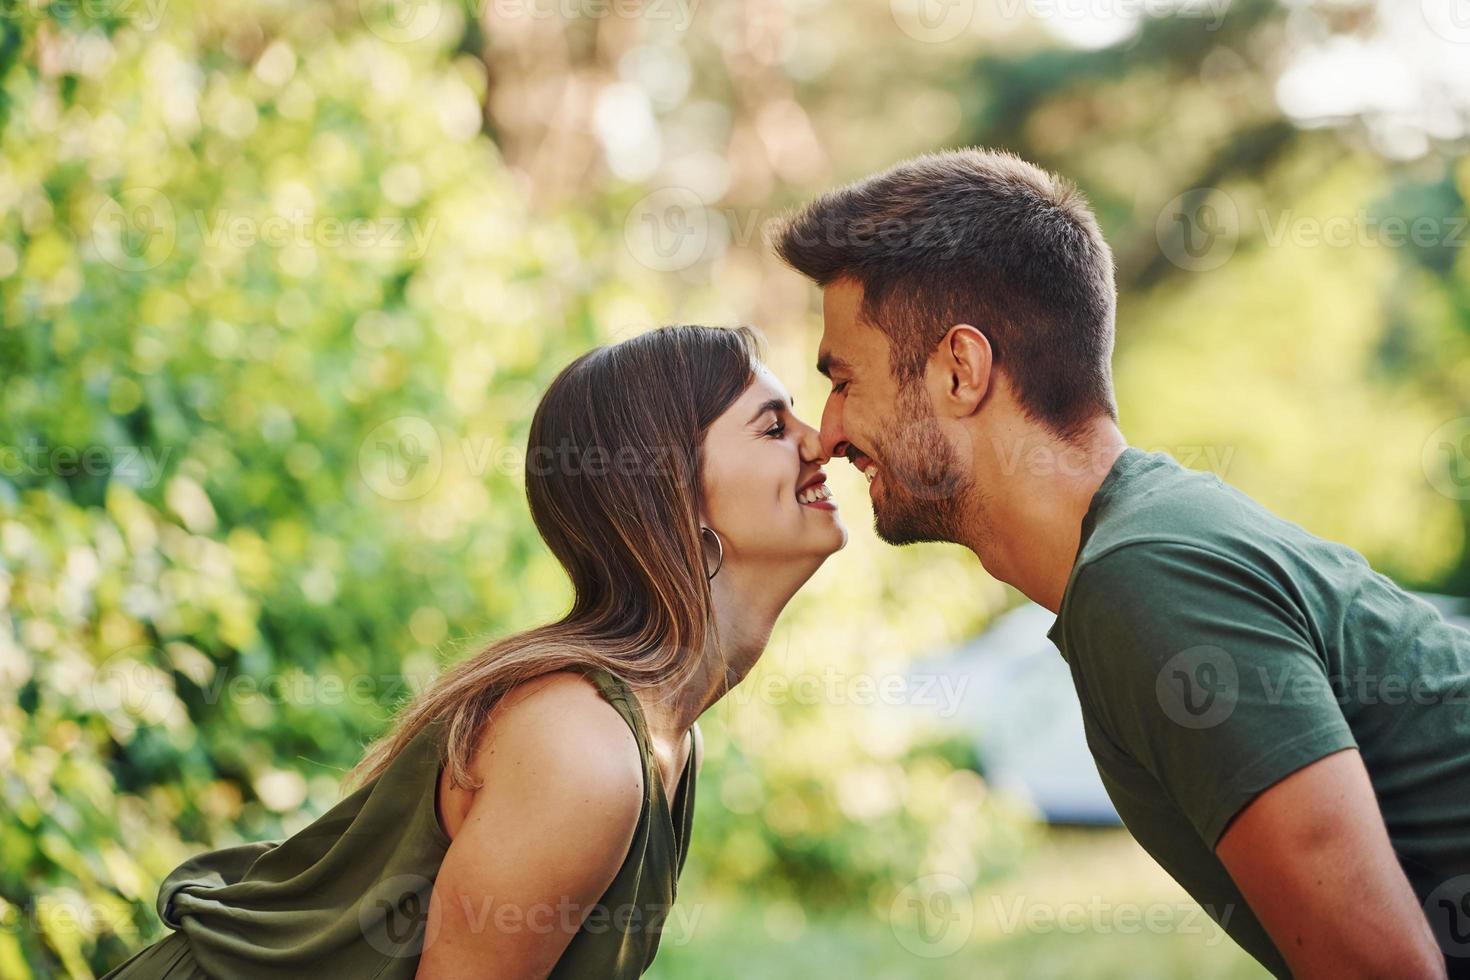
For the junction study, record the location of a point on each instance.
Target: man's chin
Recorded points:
(906, 528)
(893, 536)
(902, 516)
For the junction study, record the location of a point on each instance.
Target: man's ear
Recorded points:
(960, 371)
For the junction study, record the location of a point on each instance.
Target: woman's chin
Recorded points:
(834, 541)
(841, 538)
(817, 550)
(807, 546)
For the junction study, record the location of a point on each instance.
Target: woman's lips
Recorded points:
(823, 500)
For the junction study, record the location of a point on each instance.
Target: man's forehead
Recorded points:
(842, 302)
(849, 340)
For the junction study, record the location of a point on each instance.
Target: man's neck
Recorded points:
(1031, 527)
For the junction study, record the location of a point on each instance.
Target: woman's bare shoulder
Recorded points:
(548, 828)
(559, 721)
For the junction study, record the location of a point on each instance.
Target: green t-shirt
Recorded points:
(1217, 648)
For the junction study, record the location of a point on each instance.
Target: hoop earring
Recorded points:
(709, 576)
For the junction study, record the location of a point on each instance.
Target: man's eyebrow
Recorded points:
(770, 405)
(827, 361)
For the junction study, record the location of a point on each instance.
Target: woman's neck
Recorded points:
(746, 608)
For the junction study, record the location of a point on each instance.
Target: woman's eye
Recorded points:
(776, 431)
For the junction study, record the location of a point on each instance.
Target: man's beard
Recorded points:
(924, 489)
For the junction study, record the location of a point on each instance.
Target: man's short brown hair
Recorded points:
(980, 237)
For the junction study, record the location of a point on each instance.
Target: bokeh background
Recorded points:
(280, 283)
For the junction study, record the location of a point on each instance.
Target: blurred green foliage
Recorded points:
(279, 287)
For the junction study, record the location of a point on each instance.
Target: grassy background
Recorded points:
(1089, 903)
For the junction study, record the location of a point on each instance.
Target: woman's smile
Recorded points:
(817, 494)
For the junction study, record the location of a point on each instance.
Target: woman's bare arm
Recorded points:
(543, 839)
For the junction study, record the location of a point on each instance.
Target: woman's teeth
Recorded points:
(819, 492)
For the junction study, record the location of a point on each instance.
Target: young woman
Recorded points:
(528, 814)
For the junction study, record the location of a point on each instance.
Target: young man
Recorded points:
(1282, 728)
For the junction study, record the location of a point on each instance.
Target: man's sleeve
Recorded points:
(1203, 671)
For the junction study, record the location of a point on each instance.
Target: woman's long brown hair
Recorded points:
(613, 468)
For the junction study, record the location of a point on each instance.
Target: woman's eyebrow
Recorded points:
(770, 405)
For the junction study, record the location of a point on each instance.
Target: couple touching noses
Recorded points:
(529, 813)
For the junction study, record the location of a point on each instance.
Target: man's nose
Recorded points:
(834, 440)
(810, 444)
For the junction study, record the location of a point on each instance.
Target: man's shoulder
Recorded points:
(1177, 549)
(1161, 501)
(1161, 569)
(1163, 512)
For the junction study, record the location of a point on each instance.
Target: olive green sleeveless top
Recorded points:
(348, 895)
